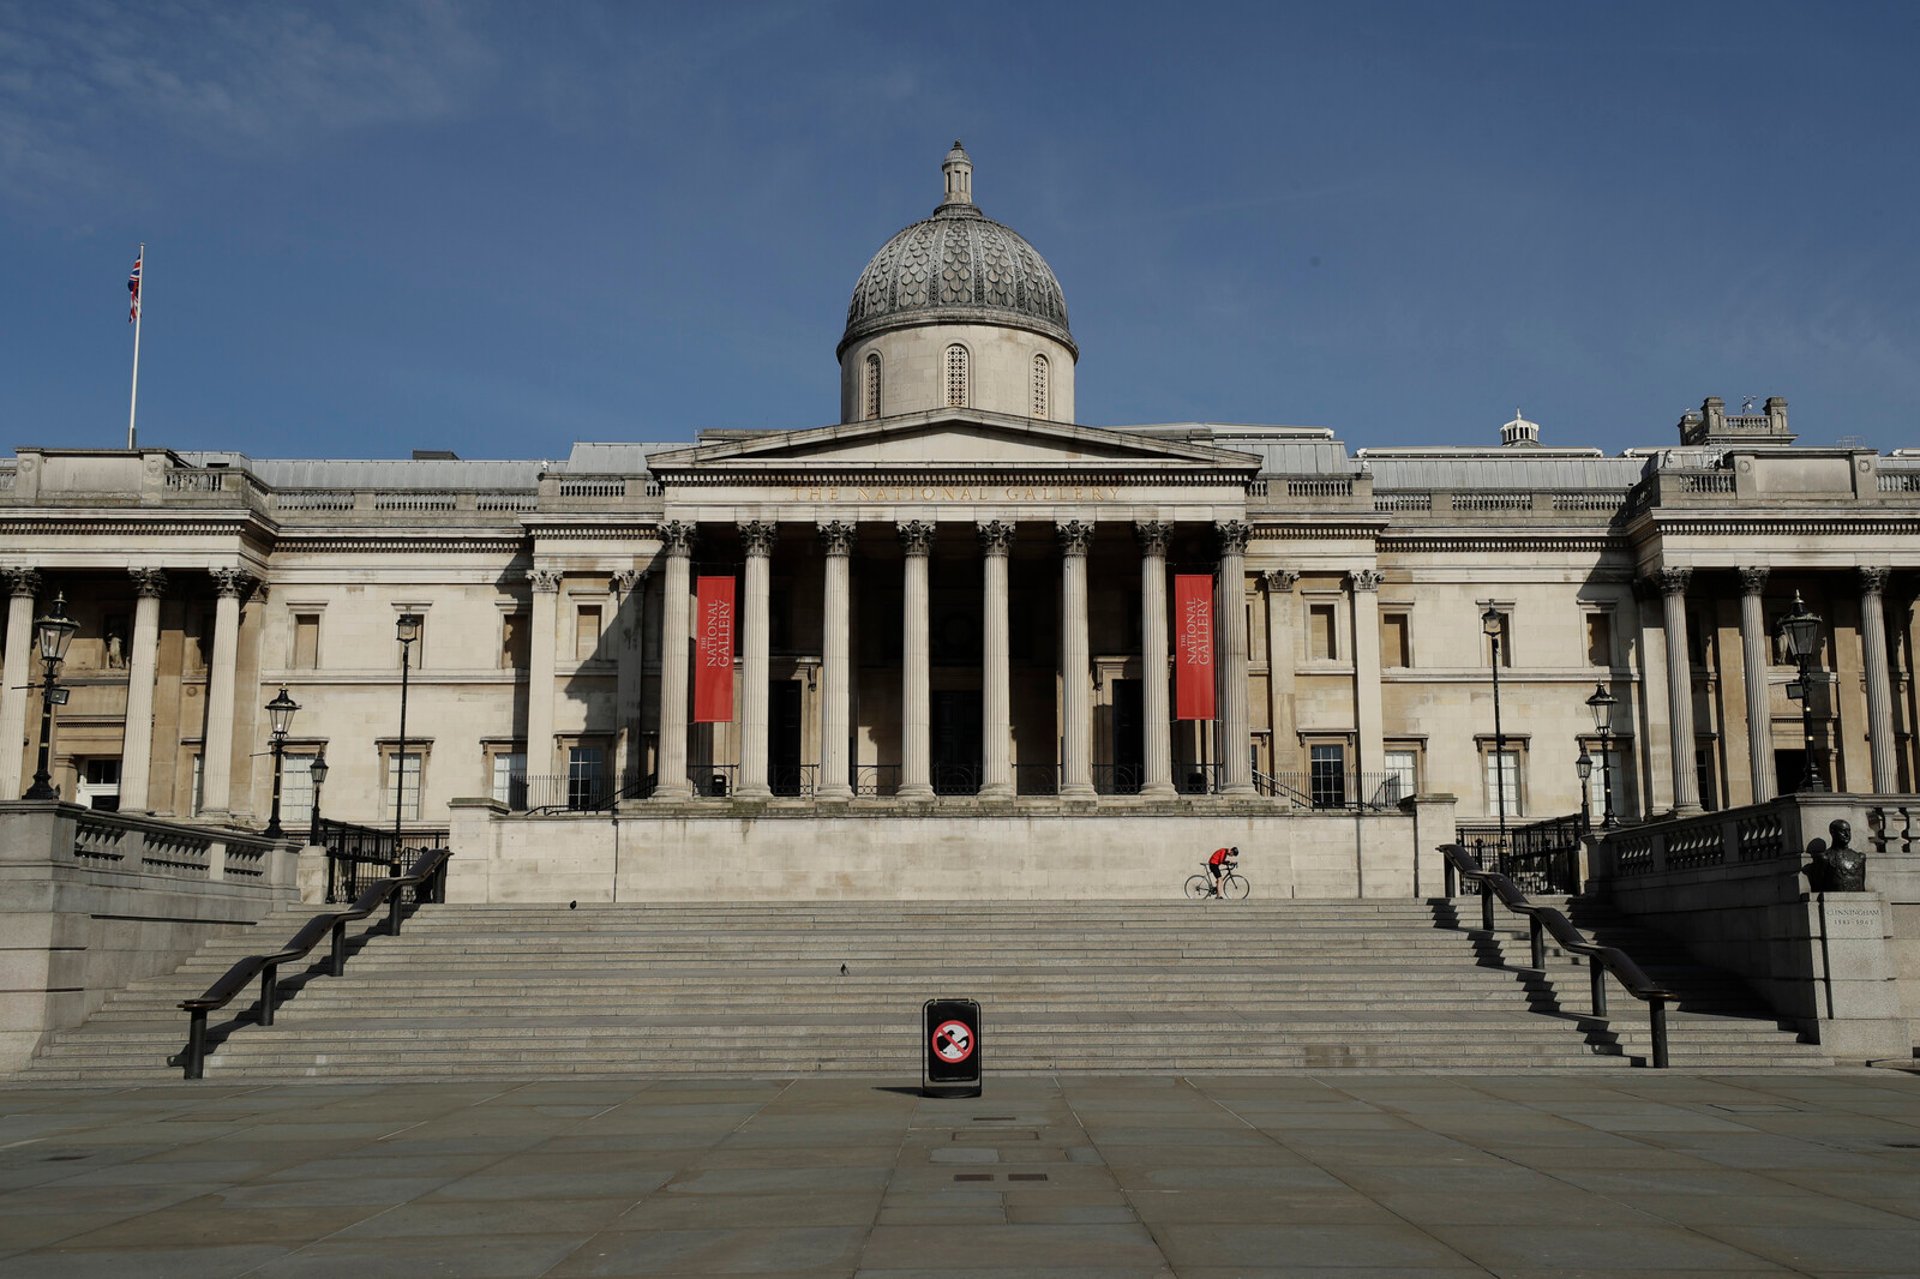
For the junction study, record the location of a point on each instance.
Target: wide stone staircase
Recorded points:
(837, 987)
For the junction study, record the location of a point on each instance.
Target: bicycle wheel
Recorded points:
(1236, 887)
(1197, 887)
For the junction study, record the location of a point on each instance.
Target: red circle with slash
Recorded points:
(953, 1041)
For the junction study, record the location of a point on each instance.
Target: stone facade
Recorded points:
(956, 609)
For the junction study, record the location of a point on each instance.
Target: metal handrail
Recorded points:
(429, 869)
(1601, 960)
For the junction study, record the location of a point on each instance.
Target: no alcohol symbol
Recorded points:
(953, 1042)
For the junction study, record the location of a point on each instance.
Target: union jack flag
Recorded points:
(133, 293)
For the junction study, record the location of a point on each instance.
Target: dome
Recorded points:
(957, 266)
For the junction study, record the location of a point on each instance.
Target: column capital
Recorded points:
(1233, 535)
(546, 581)
(1672, 581)
(1753, 580)
(1075, 536)
(22, 581)
(148, 583)
(1366, 579)
(757, 536)
(1153, 536)
(232, 583)
(678, 535)
(625, 581)
(996, 536)
(1280, 581)
(1873, 578)
(838, 536)
(916, 536)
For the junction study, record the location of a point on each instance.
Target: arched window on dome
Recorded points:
(1040, 371)
(872, 391)
(957, 376)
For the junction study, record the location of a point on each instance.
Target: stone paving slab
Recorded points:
(1526, 1176)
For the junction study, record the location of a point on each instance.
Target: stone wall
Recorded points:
(803, 855)
(1842, 967)
(90, 902)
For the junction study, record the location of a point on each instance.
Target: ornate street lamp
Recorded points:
(279, 720)
(1601, 704)
(53, 632)
(407, 629)
(1801, 630)
(1493, 624)
(317, 771)
(1584, 767)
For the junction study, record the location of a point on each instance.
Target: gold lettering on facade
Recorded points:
(942, 493)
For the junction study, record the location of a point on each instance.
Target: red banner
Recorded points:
(713, 650)
(1193, 645)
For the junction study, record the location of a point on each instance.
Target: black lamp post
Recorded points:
(279, 719)
(1584, 767)
(1801, 630)
(407, 629)
(317, 772)
(54, 632)
(1493, 624)
(1601, 704)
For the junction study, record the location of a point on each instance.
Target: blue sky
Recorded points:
(500, 228)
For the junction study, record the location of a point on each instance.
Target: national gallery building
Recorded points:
(959, 632)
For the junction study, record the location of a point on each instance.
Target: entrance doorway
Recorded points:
(783, 738)
(956, 741)
(1129, 739)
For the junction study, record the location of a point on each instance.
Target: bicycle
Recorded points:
(1233, 885)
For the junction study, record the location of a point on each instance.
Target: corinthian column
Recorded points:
(674, 656)
(836, 687)
(1873, 646)
(543, 647)
(916, 715)
(629, 588)
(1369, 721)
(23, 584)
(996, 700)
(757, 537)
(216, 752)
(1236, 766)
(1154, 711)
(1753, 668)
(136, 748)
(1076, 663)
(1673, 603)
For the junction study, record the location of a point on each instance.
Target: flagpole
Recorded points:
(140, 305)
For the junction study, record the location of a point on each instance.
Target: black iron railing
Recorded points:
(1541, 920)
(1119, 779)
(1036, 779)
(871, 781)
(360, 855)
(1541, 857)
(713, 781)
(426, 881)
(956, 779)
(794, 780)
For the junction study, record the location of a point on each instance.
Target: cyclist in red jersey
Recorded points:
(1222, 861)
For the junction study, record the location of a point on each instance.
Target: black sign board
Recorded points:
(951, 1056)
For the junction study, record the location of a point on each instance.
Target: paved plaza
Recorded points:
(1349, 1175)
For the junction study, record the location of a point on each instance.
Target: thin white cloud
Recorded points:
(85, 81)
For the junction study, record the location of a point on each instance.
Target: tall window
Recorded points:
(1503, 782)
(1402, 768)
(585, 771)
(509, 781)
(296, 789)
(1040, 371)
(872, 388)
(957, 376)
(1327, 776)
(409, 789)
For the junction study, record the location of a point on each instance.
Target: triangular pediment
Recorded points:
(947, 440)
